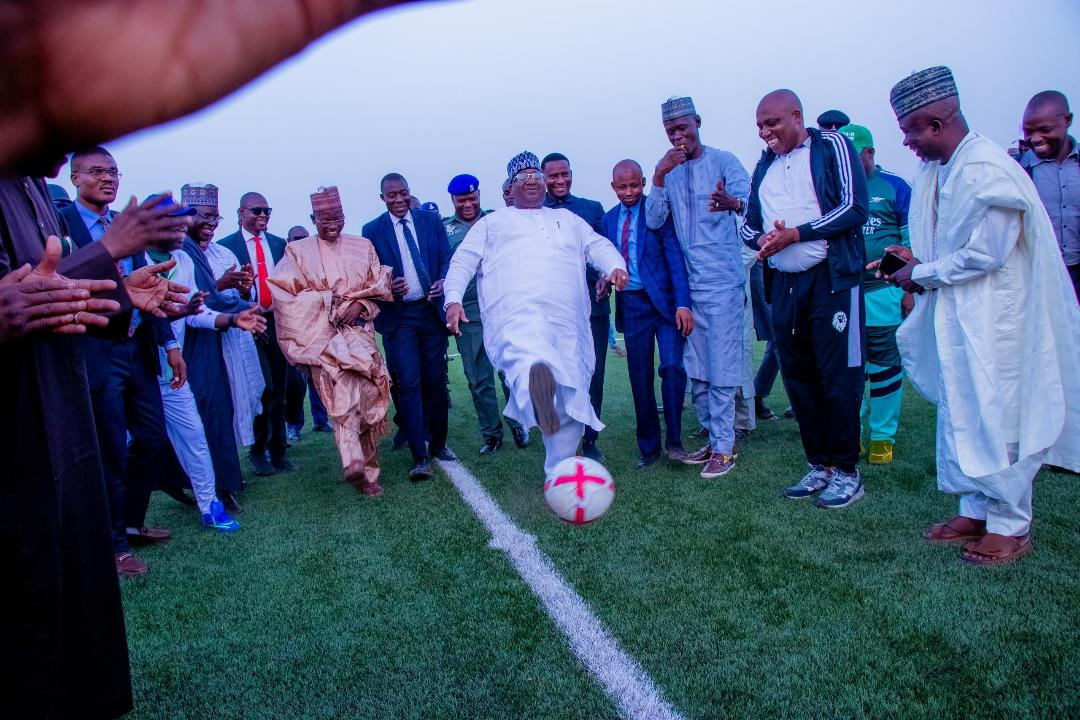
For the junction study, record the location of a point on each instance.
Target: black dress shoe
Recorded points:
(490, 446)
(283, 465)
(764, 412)
(400, 440)
(178, 495)
(446, 454)
(521, 435)
(647, 461)
(789, 413)
(592, 452)
(323, 428)
(230, 503)
(741, 433)
(261, 465)
(421, 471)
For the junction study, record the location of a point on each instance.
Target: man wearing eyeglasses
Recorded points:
(529, 261)
(414, 335)
(260, 251)
(123, 373)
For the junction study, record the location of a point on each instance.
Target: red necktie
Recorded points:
(626, 238)
(260, 259)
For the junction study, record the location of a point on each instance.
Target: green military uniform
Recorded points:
(479, 371)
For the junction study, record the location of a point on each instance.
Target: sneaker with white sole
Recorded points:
(218, 519)
(844, 489)
(812, 483)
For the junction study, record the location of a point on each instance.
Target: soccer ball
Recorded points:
(580, 490)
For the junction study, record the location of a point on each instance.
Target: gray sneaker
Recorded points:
(812, 483)
(843, 490)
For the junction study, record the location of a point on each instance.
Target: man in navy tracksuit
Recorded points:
(807, 205)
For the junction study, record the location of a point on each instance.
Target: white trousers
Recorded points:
(564, 443)
(185, 428)
(1003, 499)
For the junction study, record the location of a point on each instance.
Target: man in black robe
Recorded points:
(64, 652)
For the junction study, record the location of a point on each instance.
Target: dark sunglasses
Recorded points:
(260, 211)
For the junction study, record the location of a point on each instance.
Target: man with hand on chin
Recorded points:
(703, 189)
(808, 202)
(529, 261)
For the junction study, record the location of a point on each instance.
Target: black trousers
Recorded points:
(1074, 275)
(126, 400)
(599, 325)
(269, 425)
(416, 359)
(820, 341)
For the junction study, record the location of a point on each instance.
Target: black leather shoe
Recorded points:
(647, 461)
(230, 503)
(789, 413)
(764, 412)
(178, 495)
(261, 466)
(592, 452)
(521, 436)
(446, 454)
(421, 471)
(283, 465)
(490, 446)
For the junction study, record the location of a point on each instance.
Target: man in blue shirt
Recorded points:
(1053, 162)
(122, 371)
(559, 178)
(653, 310)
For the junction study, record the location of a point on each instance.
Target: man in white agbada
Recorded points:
(529, 262)
(994, 339)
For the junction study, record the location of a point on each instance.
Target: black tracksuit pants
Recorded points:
(821, 344)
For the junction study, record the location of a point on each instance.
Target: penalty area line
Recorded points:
(622, 678)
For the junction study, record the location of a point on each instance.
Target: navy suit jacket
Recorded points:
(661, 268)
(434, 251)
(238, 245)
(152, 331)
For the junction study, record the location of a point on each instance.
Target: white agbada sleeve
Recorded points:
(465, 263)
(600, 252)
(990, 245)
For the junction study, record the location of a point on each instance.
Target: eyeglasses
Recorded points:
(211, 218)
(260, 211)
(524, 176)
(97, 172)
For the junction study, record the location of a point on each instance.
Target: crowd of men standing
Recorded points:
(196, 347)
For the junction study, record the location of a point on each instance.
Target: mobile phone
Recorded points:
(890, 263)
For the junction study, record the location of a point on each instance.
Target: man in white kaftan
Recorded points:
(529, 262)
(994, 339)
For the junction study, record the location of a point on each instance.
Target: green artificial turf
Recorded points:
(737, 602)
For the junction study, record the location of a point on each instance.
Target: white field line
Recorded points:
(622, 678)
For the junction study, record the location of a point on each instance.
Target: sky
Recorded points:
(436, 89)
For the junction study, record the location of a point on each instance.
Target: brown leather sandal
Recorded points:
(957, 529)
(995, 549)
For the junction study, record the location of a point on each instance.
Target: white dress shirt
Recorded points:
(412, 279)
(267, 255)
(787, 193)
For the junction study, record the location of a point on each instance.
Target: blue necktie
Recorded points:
(414, 253)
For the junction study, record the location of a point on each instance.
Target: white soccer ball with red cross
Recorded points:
(580, 490)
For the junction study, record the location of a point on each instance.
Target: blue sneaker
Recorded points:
(812, 483)
(218, 519)
(843, 490)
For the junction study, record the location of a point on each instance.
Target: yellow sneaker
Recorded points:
(881, 452)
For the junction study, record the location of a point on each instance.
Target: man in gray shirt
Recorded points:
(1054, 165)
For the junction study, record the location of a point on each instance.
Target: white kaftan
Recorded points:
(530, 270)
(995, 340)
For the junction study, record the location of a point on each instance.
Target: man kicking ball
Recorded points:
(529, 262)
